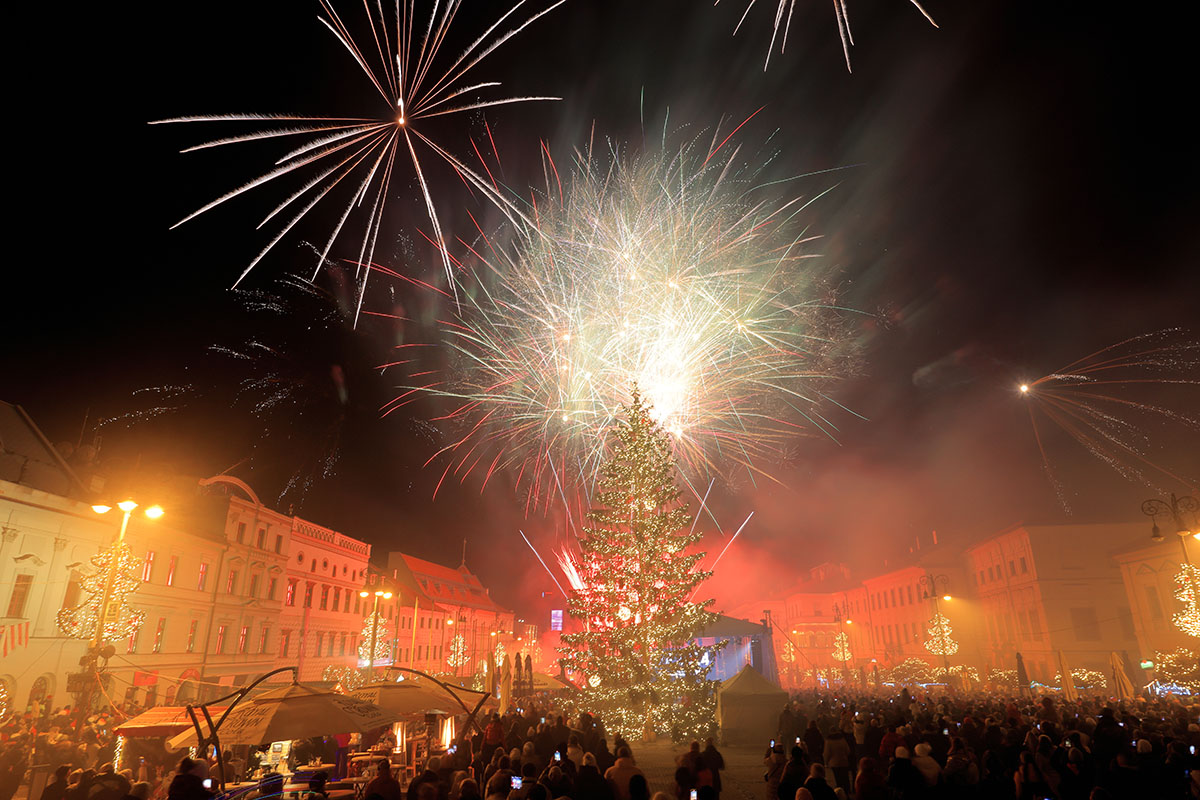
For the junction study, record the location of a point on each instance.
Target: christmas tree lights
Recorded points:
(348, 678)
(911, 672)
(456, 652)
(841, 648)
(1083, 678)
(638, 575)
(1186, 591)
(383, 646)
(122, 621)
(1181, 668)
(940, 643)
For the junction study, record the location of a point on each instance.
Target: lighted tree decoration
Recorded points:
(787, 653)
(456, 653)
(4, 704)
(1083, 678)
(1180, 668)
(638, 576)
(349, 678)
(841, 648)
(940, 643)
(499, 655)
(383, 645)
(1186, 583)
(122, 622)
(910, 672)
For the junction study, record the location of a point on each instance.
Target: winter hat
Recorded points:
(923, 749)
(902, 752)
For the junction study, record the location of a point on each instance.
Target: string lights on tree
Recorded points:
(122, 622)
(456, 653)
(348, 678)
(374, 623)
(1179, 668)
(940, 642)
(841, 648)
(1186, 583)
(638, 574)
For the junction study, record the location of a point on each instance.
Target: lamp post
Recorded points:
(841, 615)
(106, 608)
(930, 580)
(377, 594)
(1175, 511)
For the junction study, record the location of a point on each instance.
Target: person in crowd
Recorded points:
(814, 743)
(795, 772)
(715, 763)
(870, 783)
(903, 779)
(187, 783)
(383, 784)
(930, 769)
(836, 758)
(621, 772)
(639, 789)
(775, 765)
(56, 789)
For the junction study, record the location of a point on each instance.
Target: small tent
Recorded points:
(748, 707)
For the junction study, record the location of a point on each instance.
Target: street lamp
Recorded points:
(930, 580)
(377, 594)
(104, 612)
(1175, 510)
(107, 612)
(1188, 620)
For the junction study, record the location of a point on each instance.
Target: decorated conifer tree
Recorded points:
(638, 569)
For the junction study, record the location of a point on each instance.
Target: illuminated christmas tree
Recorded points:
(841, 648)
(1187, 581)
(122, 622)
(1179, 668)
(347, 678)
(499, 656)
(634, 606)
(456, 653)
(787, 654)
(940, 643)
(383, 645)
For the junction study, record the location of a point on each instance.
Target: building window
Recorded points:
(262, 639)
(320, 642)
(1012, 568)
(242, 638)
(131, 647)
(308, 591)
(261, 542)
(20, 596)
(71, 596)
(203, 577)
(337, 597)
(171, 565)
(1154, 604)
(158, 635)
(241, 533)
(910, 595)
(330, 651)
(148, 566)
(231, 582)
(342, 645)
(289, 598)
(991, 574)
(279, 543)
(346, 602)
(357, 604)
(220, 648)
(253, 586)
(1085, 623)
(191, 640)
(324, 598)
(1024, 566)
(271, 586)
(285, 643)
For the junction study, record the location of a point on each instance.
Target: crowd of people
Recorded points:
(985, 746)
(826, 744)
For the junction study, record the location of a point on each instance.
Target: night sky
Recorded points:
(1011, 192)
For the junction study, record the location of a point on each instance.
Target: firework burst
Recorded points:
(402, 59)
(783, 25)
(676, 275)
(1097, 402)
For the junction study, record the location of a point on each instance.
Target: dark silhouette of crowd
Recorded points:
(991, 747)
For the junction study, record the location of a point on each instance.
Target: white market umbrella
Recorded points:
(1121, 683)
(1068, 682)
(414, 697)
(506, 680)
(548, 683)
(293, 712)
